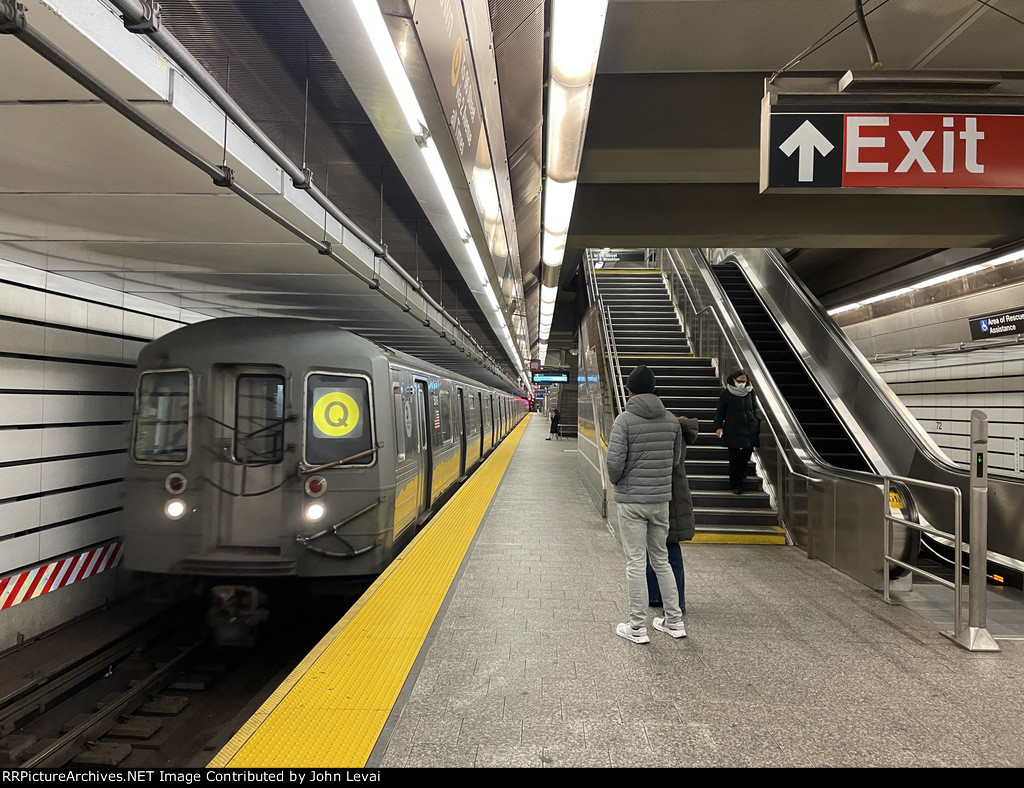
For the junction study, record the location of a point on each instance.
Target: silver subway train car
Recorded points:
(274, 447)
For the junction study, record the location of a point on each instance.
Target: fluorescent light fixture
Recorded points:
(948, 277)
(444, 185)
(884, 296)
(483, 186)
(577, 27)
(840, 309)
(1012, 257)
(383, 45)
(478, 264)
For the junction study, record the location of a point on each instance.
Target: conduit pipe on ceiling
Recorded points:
(144, 18)
(13, 21)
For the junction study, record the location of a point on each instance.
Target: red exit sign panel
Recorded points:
(934, 151)
(919, 151)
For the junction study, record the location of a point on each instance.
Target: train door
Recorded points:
(494, 423)
(426, 450)
(464, 433)
(408, 448)
(248, 420)
(480, 402)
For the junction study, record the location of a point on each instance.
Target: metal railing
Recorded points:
(617, 385)
(889, 521)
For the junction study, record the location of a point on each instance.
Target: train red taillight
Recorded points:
(316, 486)
(175, 483)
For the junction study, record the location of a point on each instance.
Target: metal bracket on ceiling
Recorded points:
(327, 250)
(148, 23)
(226, 178)
(307, 182)
(12, 17)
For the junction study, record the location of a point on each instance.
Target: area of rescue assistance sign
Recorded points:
(921, 151)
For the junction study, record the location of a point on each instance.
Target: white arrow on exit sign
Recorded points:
(806, 139)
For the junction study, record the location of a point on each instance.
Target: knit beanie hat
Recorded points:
(641, 380)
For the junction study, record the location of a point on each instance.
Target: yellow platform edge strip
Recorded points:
(337, 724)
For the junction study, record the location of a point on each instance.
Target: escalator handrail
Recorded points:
(801, 359)
(871, 376)
(736, 354)
(780, 406)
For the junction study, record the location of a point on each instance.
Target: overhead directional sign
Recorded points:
(941, 151)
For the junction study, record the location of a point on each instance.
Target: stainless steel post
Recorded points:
(975, 637)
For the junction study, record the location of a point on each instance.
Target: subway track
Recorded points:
(161, 694)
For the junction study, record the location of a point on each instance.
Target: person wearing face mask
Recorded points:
(738, 424)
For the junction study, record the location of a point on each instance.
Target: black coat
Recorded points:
(681, 526)
(555, 418)
(738, 419)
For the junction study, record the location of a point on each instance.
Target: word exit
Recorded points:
(920, 151)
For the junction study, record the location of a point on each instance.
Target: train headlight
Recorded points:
(316, 486)
(175, 509)
(315, 512)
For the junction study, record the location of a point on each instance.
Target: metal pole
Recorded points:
(975, 637)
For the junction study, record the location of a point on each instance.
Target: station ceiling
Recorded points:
(671, 158)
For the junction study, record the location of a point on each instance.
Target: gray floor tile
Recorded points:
(788, 662)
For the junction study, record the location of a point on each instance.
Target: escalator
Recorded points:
(786, 338)
(823, 429)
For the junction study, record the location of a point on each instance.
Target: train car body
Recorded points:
(276, 447)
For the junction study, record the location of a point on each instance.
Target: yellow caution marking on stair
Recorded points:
(726, 538)
(330, 711)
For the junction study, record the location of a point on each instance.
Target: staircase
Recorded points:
(823, 428)
(646, 331)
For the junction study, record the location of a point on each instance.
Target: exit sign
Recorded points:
(941, 151)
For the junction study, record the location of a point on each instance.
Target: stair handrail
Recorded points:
(607, 337)
(620, 384)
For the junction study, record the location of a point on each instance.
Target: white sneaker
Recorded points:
(676, 630)
(636, 635)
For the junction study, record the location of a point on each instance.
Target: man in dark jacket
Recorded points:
(645, 445)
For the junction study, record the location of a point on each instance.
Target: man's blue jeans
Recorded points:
(675, 560)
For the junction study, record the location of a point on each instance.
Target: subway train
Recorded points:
(279, 447)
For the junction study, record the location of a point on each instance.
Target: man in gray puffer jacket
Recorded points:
(645, 445)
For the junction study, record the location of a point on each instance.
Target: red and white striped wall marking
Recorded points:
(62, 572)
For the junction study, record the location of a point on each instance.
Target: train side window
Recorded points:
(470, 415)
(162, 417)
(403, 422)
(447, 433)
(259, 419)
(339, 420)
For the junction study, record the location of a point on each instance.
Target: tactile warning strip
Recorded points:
(330, 711)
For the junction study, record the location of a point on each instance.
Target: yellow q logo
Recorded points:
(336, 414)
(456, 61)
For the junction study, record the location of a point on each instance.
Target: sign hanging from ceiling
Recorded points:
(441, 28)
(941, 151)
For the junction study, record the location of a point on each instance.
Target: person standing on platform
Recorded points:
(681, 526)
(555, 418)
(645, 446)
(738, 424)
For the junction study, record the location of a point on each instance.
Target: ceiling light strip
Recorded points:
(577, 27)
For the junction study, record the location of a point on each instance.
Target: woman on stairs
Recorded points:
(738, 424)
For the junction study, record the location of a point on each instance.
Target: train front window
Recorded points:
(259, 419)
(339, 421)
(162, 417)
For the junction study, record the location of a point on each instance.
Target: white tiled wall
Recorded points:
(67, 353)
(942, 390)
